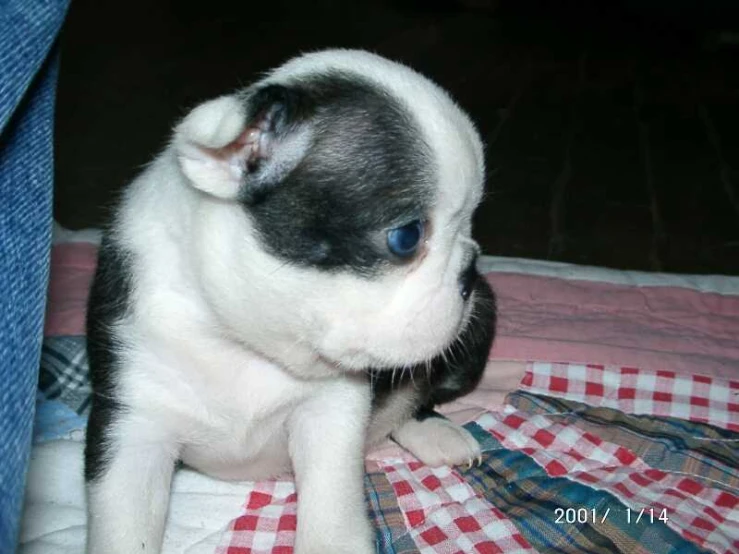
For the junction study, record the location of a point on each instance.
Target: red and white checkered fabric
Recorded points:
(469, 527)
(559, 448)
(693, 510)
(267, 524)
(445, 515)
(636, 391)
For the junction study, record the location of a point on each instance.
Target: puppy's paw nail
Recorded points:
(438, 441)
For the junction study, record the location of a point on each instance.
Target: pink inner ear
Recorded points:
(220, 170)
(242, 149)
(247, 149)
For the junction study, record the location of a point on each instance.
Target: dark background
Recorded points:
(612, 127)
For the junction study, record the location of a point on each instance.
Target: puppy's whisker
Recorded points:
(278, 268)
(409, 369)
(101, 395)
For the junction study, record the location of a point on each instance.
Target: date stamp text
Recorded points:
(593, 515)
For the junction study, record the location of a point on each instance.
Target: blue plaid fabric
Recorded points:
(64, 392)
(27, 86)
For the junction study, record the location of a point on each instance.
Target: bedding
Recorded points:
(608, 417)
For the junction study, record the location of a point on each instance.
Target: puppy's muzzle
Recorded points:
(468, 279)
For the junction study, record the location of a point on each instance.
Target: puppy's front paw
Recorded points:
(437, 441)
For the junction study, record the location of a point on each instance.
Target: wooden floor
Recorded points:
(612, 139)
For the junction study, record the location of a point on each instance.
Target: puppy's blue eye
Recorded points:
(403, 241)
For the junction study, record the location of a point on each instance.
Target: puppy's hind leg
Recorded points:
(436, 441)
(128, 493)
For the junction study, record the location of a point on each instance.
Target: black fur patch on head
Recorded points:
(454, 373)
(109, 300)
(366, 170)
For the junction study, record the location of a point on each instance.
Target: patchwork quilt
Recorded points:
(583, 455)
(581, 458)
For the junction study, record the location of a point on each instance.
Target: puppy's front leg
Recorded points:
(327, 436)
(128, 495)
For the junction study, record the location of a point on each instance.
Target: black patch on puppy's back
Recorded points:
(108, 302)
(367, 169)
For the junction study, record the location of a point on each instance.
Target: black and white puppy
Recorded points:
(291, 281)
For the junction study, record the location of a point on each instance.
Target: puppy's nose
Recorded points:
(468, 278)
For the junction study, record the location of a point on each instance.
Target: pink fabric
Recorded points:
(72, 268)
(672, 328)
(541, 318)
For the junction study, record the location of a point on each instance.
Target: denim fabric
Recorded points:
(27, 85)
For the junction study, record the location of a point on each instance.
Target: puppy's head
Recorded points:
(334, 211)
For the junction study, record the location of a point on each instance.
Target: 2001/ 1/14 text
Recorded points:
(593, 515)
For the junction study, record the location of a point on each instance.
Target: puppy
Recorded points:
(289, 282)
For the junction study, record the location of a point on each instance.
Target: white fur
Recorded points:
(437, 442)
(216, 375)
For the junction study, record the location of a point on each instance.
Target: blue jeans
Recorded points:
(28, 30)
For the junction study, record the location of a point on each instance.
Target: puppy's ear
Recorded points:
(240, 147)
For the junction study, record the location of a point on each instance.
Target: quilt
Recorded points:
(616, 433)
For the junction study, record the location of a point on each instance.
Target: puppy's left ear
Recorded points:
(239, 147)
